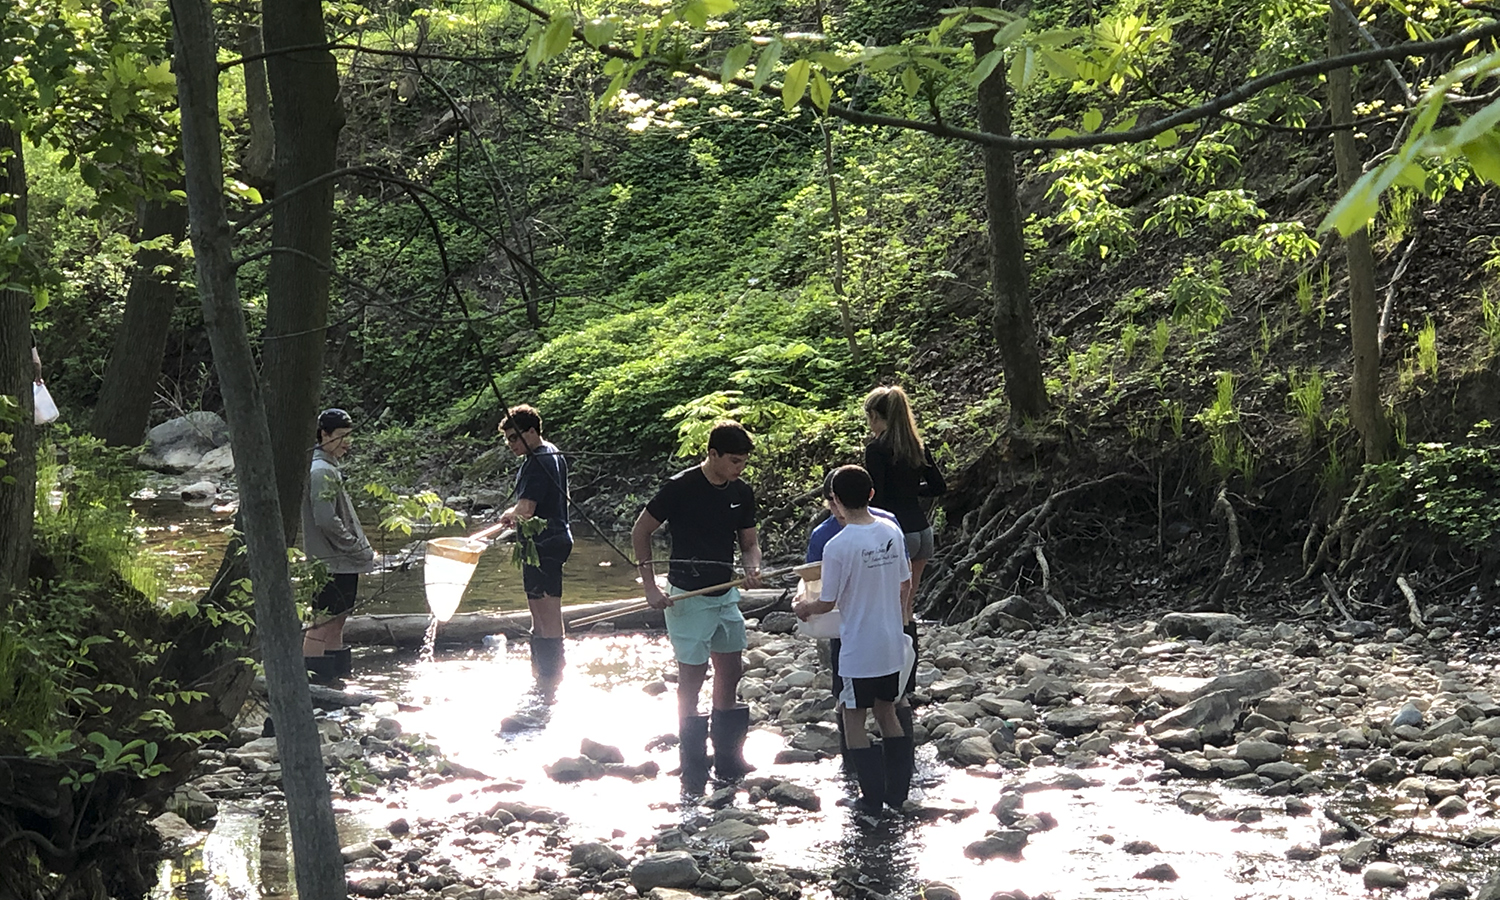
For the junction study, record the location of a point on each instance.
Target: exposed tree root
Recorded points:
(990, 540)
(1414, 612)
(1234, 556)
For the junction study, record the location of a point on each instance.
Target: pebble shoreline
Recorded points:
(1305, 715)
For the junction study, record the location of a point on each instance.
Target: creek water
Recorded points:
(191, 541)
(458, 697)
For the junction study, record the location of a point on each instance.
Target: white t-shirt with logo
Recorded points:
(863, 568)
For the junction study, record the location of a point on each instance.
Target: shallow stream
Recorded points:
(613, 693)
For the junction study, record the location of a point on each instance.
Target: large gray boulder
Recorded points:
(1213, 716)
(1198, 625)
(180, 445)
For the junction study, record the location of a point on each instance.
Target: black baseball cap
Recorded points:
(330, 420)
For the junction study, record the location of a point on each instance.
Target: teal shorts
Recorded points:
(699, 626)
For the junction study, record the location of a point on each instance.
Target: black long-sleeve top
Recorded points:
(898, 486)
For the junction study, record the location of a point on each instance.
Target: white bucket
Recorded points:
(450, 564)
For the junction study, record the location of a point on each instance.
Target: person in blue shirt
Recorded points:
(816, 541)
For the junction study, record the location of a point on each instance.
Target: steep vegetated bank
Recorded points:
(642, 267)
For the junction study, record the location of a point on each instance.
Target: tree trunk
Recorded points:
(260, 151)
(18, 455)
(846, 319)
(319, 865)
(124, 405)
(307, 117)
(1014, 326)
(1364, 310)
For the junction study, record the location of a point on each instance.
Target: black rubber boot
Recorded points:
(546, 657)
(729, 729)
(869, 766)
(692, 753)
(343, 660)
(323, 668)
(898, 761)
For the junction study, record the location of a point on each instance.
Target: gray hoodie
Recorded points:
(330, 527)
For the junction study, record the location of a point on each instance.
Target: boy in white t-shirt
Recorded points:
(865, 573)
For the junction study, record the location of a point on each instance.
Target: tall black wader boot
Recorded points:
(869, 768)
(546, 657)
(692, 753)
(898, 756)
(729, 729)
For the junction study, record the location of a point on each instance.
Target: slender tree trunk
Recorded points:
(846, 319)
(319, 865)
(307, 116)
(1364, 310)
(18, 454)
(1014, 325)
(261, 149)
(124, 405)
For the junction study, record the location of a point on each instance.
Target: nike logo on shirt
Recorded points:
(734, 506)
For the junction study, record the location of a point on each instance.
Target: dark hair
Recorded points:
(891, 405)
(331, 420)
(522, 419)
(730, 437)
(852, 485)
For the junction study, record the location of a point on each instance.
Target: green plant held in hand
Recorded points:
(523, 551)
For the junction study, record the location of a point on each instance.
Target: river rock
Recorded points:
(937, 890)
(1450, 807)
(1449, 890)
(672, 868)
(1179, 739)
(785, 793)
(1384, 875)
(732, 831)
(1258, 753)
(1280, 706)
(818, 737)
(363, 850)
(179, 445)
(1004, 617)
(600, 753)
(1158, 872)
(595, 857)
(1006, 843)
(974, 751)
(1213, 715)
(1074, 720)
(779, 622)
(387, 729)
(572, 769)
(218, 461)
(192, 805)
(174, 829)
(1198, 625)
(199, 490)
(1140, 848)
(372, 884)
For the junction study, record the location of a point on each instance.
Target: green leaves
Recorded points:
(734, 62)
(792, 88)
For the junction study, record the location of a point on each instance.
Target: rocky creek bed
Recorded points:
(1187, 756)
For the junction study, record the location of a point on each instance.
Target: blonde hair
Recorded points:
(891, 405)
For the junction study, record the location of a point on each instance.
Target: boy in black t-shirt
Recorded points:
(709, 510)
(541, 491)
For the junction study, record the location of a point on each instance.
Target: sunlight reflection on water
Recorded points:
(464, 695)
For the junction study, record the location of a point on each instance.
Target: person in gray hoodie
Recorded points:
(331, 534)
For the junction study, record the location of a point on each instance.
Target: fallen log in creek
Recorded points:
(409, 629)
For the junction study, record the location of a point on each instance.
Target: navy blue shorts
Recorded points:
(338, 595)
(545, 579)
